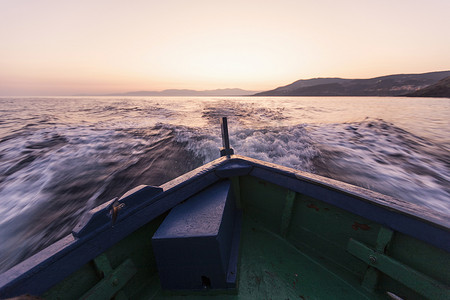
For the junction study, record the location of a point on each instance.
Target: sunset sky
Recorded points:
(67, 47)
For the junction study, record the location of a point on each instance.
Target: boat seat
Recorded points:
(196, 246)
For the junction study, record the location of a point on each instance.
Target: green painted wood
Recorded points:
(237, 191)
(102, 265)
(136, 247)
(421, 257)
(324, 229)
(384, 238)
(372, 275)
(264, 200)
(293, 247)
(112, 283)
(272, 268)
(74, 286)
(287, 213)
(120, 296)
(422, 284)
(370, 280)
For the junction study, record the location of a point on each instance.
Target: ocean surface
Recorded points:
(62, 156)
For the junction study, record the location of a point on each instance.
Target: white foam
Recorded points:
(379, 156)
(287, 146)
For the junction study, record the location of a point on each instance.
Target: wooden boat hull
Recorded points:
(303, 236)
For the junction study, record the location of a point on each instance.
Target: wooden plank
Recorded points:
(48, 267)
(112, 283)
(287, 212)
(372, 275)
(388, 216)
(237, 191)
(404, 274)
(401, 206)
(102, 265)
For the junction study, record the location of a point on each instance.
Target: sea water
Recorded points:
(62, 156)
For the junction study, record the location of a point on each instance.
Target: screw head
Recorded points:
(372, 259)
(115, 281)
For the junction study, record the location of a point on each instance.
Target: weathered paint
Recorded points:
(357, 226)
(421, 283)
(113, 280)
(46, 268)
(287, 212)
(203, 228)
(371, 277)
(288, 249)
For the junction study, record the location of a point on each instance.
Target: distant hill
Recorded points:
(175, 92)
(439, 89)
(390, 85)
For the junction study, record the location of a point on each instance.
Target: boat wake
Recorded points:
(57, 165)
(50, 178)
(382, 157)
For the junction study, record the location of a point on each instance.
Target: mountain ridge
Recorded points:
(439, 89)
(183, 92)
(387, 85)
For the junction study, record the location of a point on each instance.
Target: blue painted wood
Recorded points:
(401, 206)
(139, 195)
(99, 218)
(200, 215)
(203, 228)
(392, 213)
(233, 168)
(234, 253)
(38, 273)
(48, 267)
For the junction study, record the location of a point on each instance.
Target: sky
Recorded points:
(67, 47)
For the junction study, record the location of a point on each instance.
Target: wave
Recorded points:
(245, 114)
(50, 178)
(380, 156)
(57, 165)
(373, 154)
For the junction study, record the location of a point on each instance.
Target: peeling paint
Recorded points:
(357, 226)
(311, 205)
